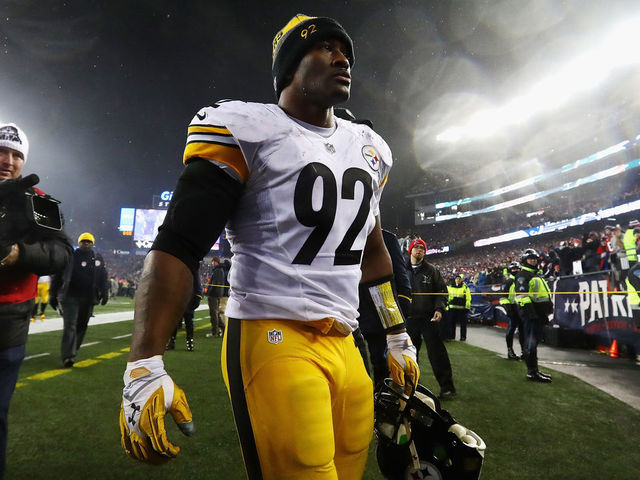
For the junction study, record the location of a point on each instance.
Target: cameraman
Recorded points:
(26, 251)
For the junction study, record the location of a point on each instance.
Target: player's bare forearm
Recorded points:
(376, 262)
(161, 298)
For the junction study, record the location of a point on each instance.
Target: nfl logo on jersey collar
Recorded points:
(274, 336)
(371, 156)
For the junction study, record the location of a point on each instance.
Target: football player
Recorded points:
(299, 192)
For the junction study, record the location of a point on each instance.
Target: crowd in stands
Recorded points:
(594, 251)
(481, 266)
(561, 206)
(125, 270)
(124, 273)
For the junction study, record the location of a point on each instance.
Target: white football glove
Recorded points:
(402, 360)
(149, 392)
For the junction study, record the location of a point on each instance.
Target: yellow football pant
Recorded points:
(43, 293)
(302, 400)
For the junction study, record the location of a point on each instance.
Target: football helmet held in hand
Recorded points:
(419, 439)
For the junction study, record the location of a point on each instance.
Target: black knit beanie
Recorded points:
(296, 38)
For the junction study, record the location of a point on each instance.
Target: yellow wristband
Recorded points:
(386, 306)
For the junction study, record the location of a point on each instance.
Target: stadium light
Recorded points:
(559, 225)
(609, 172)
(618, 49)
(543, 176)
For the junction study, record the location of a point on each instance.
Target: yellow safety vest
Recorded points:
(511, 295)
(538, 291)
(629, 241)
(460, 293)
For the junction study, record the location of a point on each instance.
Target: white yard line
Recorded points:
(36, 356)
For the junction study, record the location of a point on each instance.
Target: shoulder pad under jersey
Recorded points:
(247, 122)
(365, 135)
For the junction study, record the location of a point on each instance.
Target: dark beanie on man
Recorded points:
(296, 38)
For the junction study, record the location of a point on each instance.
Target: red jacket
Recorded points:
(17, 286)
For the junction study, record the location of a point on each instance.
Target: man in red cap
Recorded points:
(426, 313)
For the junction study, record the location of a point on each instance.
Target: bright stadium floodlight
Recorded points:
(583, 73)
(450, 135)
(622, 44)
(618, 147)
(609, 172)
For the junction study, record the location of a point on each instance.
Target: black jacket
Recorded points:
(216, 282)
(99, 290)
(42, 252)
(567, 255)
(591, 261)
(426, 278)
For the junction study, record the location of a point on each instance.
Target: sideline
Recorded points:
(618, 377)
(613, 376)
(54, 324)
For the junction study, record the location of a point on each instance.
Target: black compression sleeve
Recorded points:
(202, 202)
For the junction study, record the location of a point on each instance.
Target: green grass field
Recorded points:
(64, 422)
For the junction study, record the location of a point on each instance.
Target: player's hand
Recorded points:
(149, 392)
(402, 360)
(104, 300)
(53, 302)
(437, 316)
(9, 254)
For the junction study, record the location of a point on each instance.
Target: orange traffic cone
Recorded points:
(613, 350)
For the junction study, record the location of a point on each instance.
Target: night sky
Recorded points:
(106, 89)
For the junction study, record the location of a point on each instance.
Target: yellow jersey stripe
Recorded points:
(384, 180)
(220, 130)
(230, 155)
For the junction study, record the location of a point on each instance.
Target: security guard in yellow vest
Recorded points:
(458, 308)
(508, 307)
(630, 241)
(534, 306)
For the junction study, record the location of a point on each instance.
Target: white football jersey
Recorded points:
(310, 200)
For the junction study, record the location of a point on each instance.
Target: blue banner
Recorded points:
(584, 302)
(482, 306)
(588, 302)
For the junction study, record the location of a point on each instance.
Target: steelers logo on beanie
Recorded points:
(296, 38)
